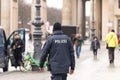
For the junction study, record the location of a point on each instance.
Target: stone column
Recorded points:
(67, 12)
(111, 14)
(44, 16)
(74, 12)
(97, 18)
(9, 15)
(107, 17)
(32, 14)
(5, 15)
(81, 17)
(13, 15)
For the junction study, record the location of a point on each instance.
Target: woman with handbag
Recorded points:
(112, 41)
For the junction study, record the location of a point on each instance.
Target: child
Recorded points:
(95, 45)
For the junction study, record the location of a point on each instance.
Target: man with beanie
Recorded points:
(60, 52)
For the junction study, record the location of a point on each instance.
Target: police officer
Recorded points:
(60, 52)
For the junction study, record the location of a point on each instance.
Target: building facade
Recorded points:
(105, 15)
(73, 14)
(9, 15)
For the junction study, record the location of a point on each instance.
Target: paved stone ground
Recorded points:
(87, 68)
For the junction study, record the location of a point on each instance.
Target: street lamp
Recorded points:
(37, 33)
(93, 28)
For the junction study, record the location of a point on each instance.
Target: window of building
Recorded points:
(119, 25)
(118, 3)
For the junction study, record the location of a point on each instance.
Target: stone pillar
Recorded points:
(107, 17)
(104, 19)
(111, 14)
(81, 17)
(5, 15)
(74, 12)
(84, 20)
(67, 12)
(111, 10)
(97, 18)
(44, 16)
(13, 15)
(9, 15)
(32, 14)
(116, 16)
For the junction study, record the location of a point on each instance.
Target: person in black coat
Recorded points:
(95, 45)
(61, 58)
(16, 47)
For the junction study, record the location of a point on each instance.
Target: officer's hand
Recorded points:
(19, 46)
(41, 69)
(71, 71)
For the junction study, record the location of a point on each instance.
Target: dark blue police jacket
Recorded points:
(59, 47)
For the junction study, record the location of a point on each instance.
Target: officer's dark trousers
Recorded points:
(111, 54)
(59, 77)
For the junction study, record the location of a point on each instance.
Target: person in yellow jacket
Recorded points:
(112, 41)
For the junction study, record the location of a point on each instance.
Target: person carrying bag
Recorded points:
(112, 41)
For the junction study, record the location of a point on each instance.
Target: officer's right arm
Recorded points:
(44, 52)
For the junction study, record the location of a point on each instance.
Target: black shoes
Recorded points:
(15, 67)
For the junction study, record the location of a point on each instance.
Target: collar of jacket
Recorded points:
(59, 32)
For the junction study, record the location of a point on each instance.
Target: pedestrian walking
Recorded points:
(119, 42)
(112, 42)
(78, 40)
(60, 52)
(95, 45)
(16, 47)
(118, 36)
(30, 36)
